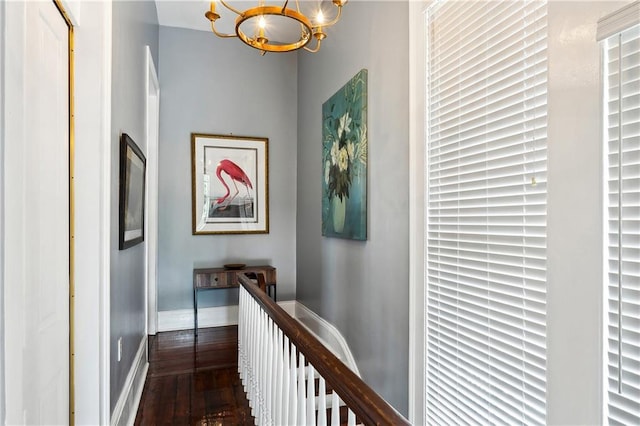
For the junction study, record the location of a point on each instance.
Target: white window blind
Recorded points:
(622, 145)
(486, 212)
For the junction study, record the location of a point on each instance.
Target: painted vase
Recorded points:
(339, 212)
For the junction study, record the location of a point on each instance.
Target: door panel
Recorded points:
(46, 217)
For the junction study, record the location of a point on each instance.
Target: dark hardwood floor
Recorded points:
(194, 381)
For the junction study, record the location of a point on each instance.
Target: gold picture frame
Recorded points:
(229, 184)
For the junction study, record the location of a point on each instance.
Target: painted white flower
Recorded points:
(343, 160)
(343, 126)
(350, 149)
(327, 166)
(334, 152)
(362, 144)
(363, 133)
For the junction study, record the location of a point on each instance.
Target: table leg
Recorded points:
(195, 310)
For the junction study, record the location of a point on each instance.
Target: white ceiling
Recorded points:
(184, 14)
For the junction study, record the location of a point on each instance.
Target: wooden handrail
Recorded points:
(369, 407)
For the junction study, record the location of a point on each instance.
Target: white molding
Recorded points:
(619, 21)
(326, 332)
(182, 319)
(417, 175)
(152, 118)
(2, 207)
(126, 408)
(105, 221)
(92, 212)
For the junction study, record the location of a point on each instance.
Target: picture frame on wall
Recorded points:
(344, 161)
(132, 193)
(229, 184)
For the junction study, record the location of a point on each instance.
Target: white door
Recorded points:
(37, 227)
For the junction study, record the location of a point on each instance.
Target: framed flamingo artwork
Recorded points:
(229, 184)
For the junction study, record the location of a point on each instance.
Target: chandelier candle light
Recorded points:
(277, 28)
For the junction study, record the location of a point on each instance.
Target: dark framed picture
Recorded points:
(229, 184)
(132, 181)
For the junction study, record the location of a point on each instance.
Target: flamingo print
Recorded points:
(237, 175)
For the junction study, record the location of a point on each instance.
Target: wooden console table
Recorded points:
(220, 278)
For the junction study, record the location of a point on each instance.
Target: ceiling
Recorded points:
(187, 14)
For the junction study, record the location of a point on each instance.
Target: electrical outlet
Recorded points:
(119, 349)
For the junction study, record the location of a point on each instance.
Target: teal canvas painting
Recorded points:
(344, 161)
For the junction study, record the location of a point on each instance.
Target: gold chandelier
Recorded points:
(277, 28)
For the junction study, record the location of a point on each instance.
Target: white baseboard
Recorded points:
(221, 316)
(126, 408)
(182, 319)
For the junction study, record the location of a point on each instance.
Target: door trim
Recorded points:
(92, 209)
(151, 221)
(417, 169)
(70, 58)
(2, 203)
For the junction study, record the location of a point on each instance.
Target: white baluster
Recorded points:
(248, 366)
(264, 388)
(335, 409)
(258, 358)
(263, 365)
(277, 400)
(271, 372)
(322, 402)
(284, 415)
(311, 393)
(245, 316)
(293, 389)
(255, 365)
(247, 353)
(241, 322)
(266, 355)
(240, 311)
(351, 418)
(250, 361)
(302, 409)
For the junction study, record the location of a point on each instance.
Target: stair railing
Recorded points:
(279, 361)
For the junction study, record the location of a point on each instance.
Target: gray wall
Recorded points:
(361, 287)
(216, 86)
(135, 26)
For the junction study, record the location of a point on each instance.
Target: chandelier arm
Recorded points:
(222, 35)
(284, 6)
(314, 50)
(231, 8)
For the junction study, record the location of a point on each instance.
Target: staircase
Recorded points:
(290, 377)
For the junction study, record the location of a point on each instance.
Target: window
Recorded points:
(486, 212)
(621, 53)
